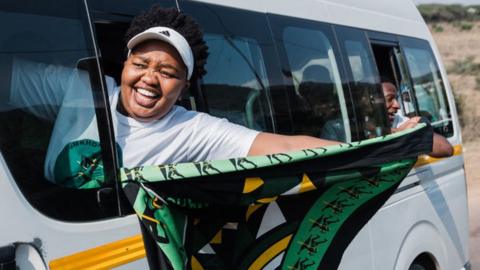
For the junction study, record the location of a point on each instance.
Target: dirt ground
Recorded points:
(472, 160)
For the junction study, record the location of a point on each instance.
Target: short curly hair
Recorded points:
(180, 22)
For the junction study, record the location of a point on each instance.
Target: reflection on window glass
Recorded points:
(405, 94)
(47, 108)
(428, 87)
(369, 106)
(319, 107)
(235, 82)
(359, 61)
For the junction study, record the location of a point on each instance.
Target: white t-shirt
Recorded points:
(180, 136)
(63, 95)
(399, 119)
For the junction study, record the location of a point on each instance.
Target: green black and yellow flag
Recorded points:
(297, 210)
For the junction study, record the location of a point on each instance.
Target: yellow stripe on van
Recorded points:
(426, 159)
(103, 257)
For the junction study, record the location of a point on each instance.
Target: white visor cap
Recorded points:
(170, 36)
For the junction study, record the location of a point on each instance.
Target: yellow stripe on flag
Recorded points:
(270, 253)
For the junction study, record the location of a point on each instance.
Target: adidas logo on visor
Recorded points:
(165, 32)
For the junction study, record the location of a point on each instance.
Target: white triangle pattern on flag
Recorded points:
(207, 249)
(293, 191)
(272, 218)
(230, 226)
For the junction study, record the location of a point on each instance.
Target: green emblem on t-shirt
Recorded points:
(80, 165)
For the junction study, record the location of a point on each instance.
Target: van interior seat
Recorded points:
(318, 98)
(24, 141)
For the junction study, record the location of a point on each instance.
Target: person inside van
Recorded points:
(316, 93)
(399, 122)
(166, 52)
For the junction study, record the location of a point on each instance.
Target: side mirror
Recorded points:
(27, 257)
(21, 256)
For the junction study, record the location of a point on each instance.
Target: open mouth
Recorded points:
(147, 93)
(145, 98)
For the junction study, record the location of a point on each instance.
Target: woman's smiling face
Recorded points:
(153, 79)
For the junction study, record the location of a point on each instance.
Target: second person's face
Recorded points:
(391, 102)
(153, 79)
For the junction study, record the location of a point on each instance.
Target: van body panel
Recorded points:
(252, 5)
(358, 254)
(411, 248)
(54, 239)
(439, 210)
(395, 8)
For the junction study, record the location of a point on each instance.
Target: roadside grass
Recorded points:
(433, 13)
(466, 66)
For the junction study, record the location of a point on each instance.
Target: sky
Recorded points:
(463, 2)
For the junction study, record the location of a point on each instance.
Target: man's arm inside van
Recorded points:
(441, 146)
(269, 143)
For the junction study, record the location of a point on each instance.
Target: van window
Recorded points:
(318, 102)
(45, 97)
(236, 81)
(236, 84)
(428, 85)
(392, 67)
(367, 97)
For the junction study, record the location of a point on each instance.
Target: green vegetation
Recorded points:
(463, 25)
(435, 13)
(437, 28)
(465, 66)
(466, 26)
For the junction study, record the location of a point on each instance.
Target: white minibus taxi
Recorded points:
(263, 54)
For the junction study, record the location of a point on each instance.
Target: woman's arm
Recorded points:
(269, 143)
